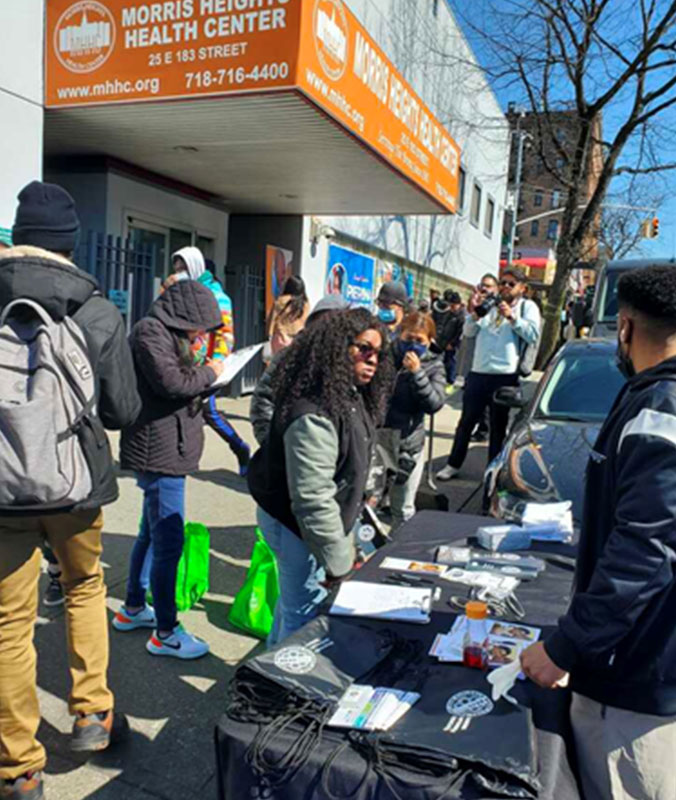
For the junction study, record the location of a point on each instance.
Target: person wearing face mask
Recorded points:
(190, 264)
(419, 390)
(309, 476)
(391, 306)
(162, 447)
(504, 327)
(617, 640)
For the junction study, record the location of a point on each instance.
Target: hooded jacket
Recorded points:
(64, 290)
(167, 437)
(618, 638)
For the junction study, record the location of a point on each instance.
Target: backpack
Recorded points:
(528, 352)
(47, 395)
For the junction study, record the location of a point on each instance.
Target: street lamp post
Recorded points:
(521, 139)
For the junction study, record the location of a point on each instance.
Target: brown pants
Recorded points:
(76, 541)
(623, 755)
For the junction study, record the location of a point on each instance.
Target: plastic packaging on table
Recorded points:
(504, 538)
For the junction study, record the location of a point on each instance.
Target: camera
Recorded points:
(489, 302)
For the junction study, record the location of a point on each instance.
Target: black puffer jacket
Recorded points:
(64, 290)
(416, 394)
(167, 437)
(449, 331)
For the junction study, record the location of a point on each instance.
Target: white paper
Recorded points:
(382, 601)
(428, 568)
(499, 585)
(235, 363)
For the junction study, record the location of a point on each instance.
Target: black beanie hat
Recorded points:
(46, 217)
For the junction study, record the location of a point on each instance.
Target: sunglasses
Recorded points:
(366, 351)
(511, 284)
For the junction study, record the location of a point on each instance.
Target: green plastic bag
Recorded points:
(192, 576)
(254, 607)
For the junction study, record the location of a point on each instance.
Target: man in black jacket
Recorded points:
(618, 639)
(39, 268)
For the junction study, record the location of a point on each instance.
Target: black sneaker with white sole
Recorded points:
(54, 594)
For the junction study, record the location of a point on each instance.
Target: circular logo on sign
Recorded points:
(296, 660)
(331, 37)
(84, 36)
(469, 703)
(367, 533)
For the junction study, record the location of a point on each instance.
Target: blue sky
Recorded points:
(662, 184)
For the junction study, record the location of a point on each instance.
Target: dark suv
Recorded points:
(605, 299)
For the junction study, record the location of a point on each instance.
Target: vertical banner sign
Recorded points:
(344, 71)
(278, 267)
(126, 51)
(350, 274)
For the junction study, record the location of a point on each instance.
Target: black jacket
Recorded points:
(323, 508)
(449, 329)
(167, 437)
(416, 394)
(618, 639)
(64, 290)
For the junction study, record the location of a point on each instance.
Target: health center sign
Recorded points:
(121, 51)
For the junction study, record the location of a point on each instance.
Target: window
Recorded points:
(489, 222)
(535, 227)
(560, 163)
(553, 229)
(435, 7)
(462, 190)
(537, 201)
(556, 198)
(475, 215)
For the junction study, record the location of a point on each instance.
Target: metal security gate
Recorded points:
(246, 288)
(125, 274)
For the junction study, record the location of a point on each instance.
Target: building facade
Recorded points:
(309, 136)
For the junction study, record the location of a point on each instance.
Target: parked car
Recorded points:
(605, 301)
(546, 451)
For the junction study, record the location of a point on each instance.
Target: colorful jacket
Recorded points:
(224, 337)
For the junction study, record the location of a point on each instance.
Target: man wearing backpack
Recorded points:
(507, 331)
(66, 372)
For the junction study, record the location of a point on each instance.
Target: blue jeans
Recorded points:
(162, 525)
(300, 577)
(450, 365)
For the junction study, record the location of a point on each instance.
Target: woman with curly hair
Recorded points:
(331, 390)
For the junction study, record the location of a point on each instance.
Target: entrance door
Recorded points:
(152, 238)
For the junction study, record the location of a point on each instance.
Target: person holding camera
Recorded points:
(504, 325)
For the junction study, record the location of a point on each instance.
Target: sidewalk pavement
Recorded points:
(173, 705)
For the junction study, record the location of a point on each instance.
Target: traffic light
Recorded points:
(655, 228)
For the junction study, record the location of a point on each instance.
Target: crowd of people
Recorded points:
(344, 397)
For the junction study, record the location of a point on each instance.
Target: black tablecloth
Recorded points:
(544, 601)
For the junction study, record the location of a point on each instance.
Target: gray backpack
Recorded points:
(47, 393)
(528, 353)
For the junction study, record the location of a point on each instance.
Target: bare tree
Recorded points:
(624, 214)
(608, 61)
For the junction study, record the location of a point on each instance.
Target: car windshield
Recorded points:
(582, 386)
(609, 300)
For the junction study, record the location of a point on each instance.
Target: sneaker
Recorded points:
(93, 732)
(243, 457)
(54, 593)
(447, 473)
(25, 787)
(180, 644)
(479, 436)
(124, 621)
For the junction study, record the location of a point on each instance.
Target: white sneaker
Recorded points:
(447, 473)
(180, 644)
(124, 621)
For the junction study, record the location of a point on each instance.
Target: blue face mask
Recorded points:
(412, 347)
(387, 315)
